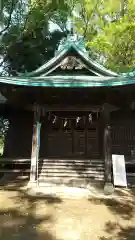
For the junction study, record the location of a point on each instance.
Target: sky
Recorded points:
(53, 26)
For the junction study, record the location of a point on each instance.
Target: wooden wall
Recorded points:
(123, 133)
(19, 137)
(123, 141)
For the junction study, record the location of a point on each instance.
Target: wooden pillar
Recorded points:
(35, 140)
(107, 147)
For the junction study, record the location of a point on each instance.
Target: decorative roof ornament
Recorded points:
(72, 40)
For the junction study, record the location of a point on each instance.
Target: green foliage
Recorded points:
(110, 35)
(28, 43)
(2, 139)
(30, 52)
(108, 27)
(4, 125)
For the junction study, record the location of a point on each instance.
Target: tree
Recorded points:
(108, 27)
(27, 42)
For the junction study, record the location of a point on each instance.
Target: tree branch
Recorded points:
(85, 19)
(9, 19)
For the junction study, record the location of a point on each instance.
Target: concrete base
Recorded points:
(108, 188)
(32, 184)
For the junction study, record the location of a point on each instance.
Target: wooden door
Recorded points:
(69, 137)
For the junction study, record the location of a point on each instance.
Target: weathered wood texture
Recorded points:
(123, 140)
(18, 139)
(34, 153)
(108, 154)
(72, 155)
(123, 134)
(107, 143)
(71, 142)
(77, 172)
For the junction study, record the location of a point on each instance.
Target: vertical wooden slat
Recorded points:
(34, 154)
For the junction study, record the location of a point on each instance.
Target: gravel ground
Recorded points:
(50, 217)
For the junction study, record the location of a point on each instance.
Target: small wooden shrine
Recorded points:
(69, 116)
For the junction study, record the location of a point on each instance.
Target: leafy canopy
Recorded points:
(108, 27)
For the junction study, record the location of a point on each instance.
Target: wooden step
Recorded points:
(69, 179)
(71, 167)
(77, 175)
(70, 164)
(14, 170)
(64, 170)
(72, 160)
(10, 160)
(51, 171)
(73, 176)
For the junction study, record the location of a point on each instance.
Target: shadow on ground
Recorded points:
(13, 181)
(23, 223)
(118, 232)
(122, 208)
(21, 226)
(18, 223)
(125, 209)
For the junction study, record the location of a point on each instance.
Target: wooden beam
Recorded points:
(73, 108)
(108, 153)
(107, 149)
(35, 150)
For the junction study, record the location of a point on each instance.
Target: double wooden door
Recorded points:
(70, 137)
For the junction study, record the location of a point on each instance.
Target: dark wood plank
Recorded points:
(34, 154)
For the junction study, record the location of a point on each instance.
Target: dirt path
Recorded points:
(52, 218)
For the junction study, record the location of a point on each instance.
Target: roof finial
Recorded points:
(70, 26)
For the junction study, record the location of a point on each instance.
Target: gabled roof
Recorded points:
(41, 77)
(66, 47)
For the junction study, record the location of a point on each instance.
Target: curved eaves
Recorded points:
(46, 67)
(55, 62)
(69, 81)
(100, 69)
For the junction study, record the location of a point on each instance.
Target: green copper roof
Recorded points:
(67, 42)
(64, 49)
(69, 81)
(41, 76)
